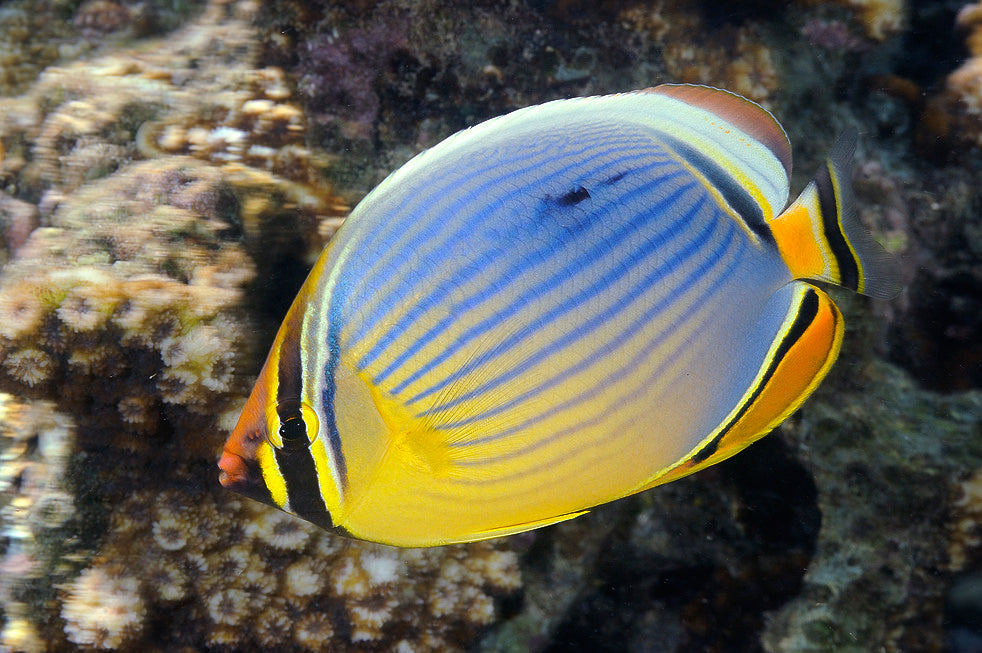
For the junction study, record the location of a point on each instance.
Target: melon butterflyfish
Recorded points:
(551, 310)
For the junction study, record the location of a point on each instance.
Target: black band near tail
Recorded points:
(735, 195)
(828, 205)
(807, 311)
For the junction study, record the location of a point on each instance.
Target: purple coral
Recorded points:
(340, 72)
(834, 35)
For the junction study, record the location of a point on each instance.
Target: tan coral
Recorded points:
(965, 539)
(30, 366)
(368, 616)
(880, 18)
(251, 594)
(88, 306)
(304, 578)
(735, 58)
(279, 530)
(166, 579)
(954, 117)
(228, 607)
(103, 609)
(274, 625)
(22, 311)
(313, 632)
(32, 36)
(93, 293)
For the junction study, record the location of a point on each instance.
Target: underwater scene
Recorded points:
(464, 432)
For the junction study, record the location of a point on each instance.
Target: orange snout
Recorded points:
(239, 464)
(234, 470)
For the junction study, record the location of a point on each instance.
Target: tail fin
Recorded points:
(821, 238)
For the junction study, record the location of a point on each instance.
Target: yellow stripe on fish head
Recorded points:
(277, 452)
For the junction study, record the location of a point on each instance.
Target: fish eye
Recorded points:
(298, 426)
(293, 432)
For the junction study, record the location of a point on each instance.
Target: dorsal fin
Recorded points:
(734, 143)
(747, 115)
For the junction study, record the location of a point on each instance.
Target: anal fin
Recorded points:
(799, 357)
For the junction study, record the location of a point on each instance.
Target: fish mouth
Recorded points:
(243, 477)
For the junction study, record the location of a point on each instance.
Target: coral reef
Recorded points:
(138, 275)
(102, 610)
(123, 306)
(965, 545)
(83, 121)
(935, 331)
(30, 39)
(17, 220)
(34, 35)
(880, 19)
(382, 80)
(873, 581)
(734, 58)
(128, 308)
(340, 72)
(244, 577)
(96, 18)
(956, 113)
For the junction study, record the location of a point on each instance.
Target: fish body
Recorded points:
(551, 310)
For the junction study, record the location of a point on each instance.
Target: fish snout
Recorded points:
(243, 477)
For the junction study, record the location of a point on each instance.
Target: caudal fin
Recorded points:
(821, 238)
